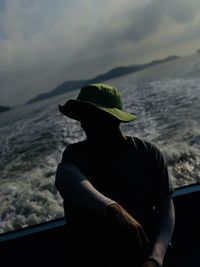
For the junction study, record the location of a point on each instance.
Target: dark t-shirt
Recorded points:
(135, 177)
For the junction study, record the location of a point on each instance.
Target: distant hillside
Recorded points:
(3, 108)
(68, 86)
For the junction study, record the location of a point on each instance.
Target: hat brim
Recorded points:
(75, 109)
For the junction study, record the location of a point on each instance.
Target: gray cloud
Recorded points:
(43, 43)
(146, 20)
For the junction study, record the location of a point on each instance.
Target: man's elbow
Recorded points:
(59, 178)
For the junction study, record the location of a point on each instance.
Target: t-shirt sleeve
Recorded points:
(72, 155)
(70, 179)
(162, 183)
(77, 154)
(67, 155)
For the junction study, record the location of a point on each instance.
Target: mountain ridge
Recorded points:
(4, 108)
(70, 85)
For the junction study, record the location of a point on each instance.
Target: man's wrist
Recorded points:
(154, 261)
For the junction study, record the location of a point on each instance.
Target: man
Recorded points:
(116, 188)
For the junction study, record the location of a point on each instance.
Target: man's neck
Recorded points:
(108, 141)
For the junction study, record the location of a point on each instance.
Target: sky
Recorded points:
(46, 42)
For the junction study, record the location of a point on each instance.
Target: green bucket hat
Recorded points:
(102, 96)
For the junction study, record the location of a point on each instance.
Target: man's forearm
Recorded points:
(163, 230)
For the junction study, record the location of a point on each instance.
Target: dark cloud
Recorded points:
(41, 47)
(146, 20)
(137, 24)
(115, 38)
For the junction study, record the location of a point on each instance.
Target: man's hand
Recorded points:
(126, 222)
(150, 263)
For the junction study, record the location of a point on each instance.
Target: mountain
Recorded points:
(4, 108)
(68, 86)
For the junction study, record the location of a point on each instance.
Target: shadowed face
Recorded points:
(96, 123)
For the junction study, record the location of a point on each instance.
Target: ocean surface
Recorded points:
(166, 100)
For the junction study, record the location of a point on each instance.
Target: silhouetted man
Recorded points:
(116, 189)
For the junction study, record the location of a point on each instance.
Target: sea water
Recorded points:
(34, 136)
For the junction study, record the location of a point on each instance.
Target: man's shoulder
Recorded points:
(147, 148)
(76, 147)
(142, 144)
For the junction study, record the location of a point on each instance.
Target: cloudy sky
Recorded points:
(45, 42)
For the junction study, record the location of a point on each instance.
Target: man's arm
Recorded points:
(77, 191)
(75, 188)
(165, 221)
